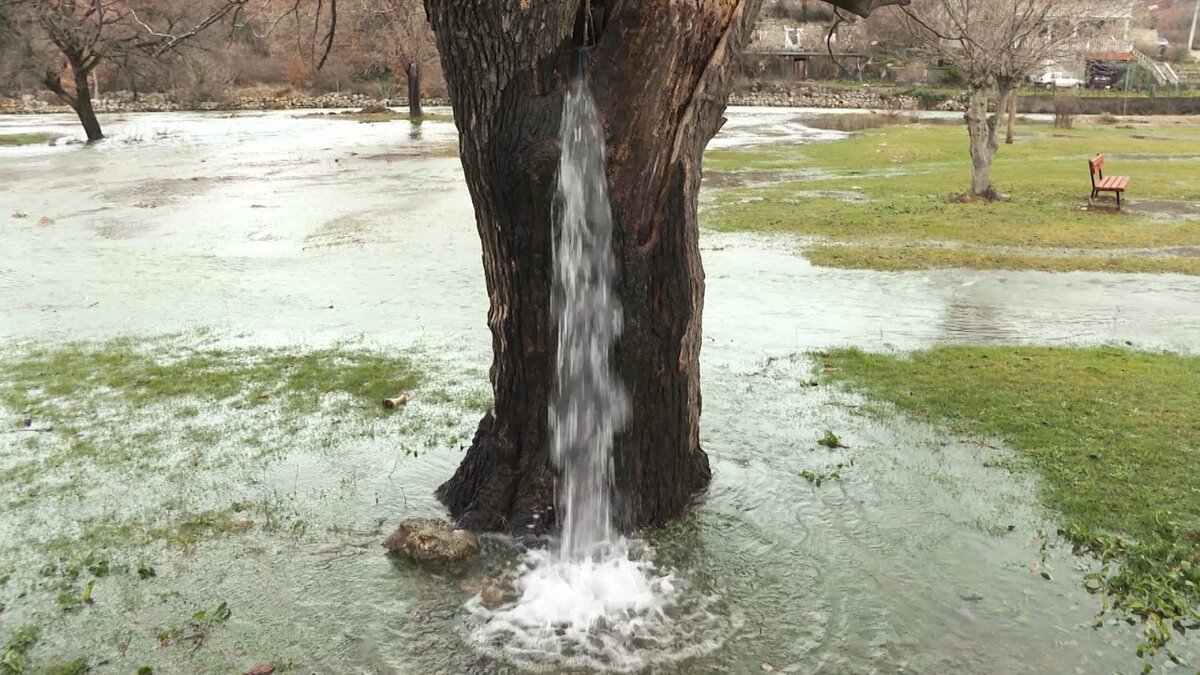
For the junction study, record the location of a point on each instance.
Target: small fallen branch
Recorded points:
(390, 403)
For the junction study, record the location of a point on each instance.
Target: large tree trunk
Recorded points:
(981, 129)
(82, 103)
(412, 73)
(659, 74)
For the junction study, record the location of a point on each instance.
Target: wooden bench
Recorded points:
(1114, 184)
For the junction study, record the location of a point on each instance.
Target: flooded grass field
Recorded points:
(887, 199)
(200, 316)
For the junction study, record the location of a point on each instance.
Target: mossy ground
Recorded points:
(883, 199)
(1113, 433)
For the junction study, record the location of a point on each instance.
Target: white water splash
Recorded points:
(618, 613)
(596, 600)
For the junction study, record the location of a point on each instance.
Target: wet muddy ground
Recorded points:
(275, 267)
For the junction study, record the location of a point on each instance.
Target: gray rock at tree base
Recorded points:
(433, 543)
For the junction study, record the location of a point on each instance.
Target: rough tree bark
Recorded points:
(1012, 119)
(412, 73)
(1006, 97)
(981, 131)
(83, 105)
(660, 75)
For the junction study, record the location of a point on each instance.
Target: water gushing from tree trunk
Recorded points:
(596, 600)
(590, 404)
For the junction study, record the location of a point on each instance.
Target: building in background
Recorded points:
(815, 50)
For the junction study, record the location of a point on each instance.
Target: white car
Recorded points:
(1056, 79)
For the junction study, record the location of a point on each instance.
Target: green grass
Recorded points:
(40, 381)
(1114, 434)
(893, 186)
(25, 139)
(12, 659)
(901, 258)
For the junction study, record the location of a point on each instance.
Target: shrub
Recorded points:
(954, 77)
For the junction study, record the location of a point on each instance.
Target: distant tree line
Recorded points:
(202, 50)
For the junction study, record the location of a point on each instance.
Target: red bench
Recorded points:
(1114, 184)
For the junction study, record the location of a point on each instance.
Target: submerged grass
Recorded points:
(906, 175)
(856, 121)
(25, 139)
(1113, 433)
(161, 415)
(12, 659)
(121, 456)
(164, 410)
(43, 383)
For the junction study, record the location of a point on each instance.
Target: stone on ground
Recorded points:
(433, 543)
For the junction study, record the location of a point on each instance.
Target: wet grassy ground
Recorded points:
(192, 508)
(214, 499)
(1113, 434)
(25, 139)
(128, 462)
(884, 199)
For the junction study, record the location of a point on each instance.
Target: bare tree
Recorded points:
(997, 44)
(72, 38)
(395, 37)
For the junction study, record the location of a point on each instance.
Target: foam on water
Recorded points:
(595, 600)
(615, 612)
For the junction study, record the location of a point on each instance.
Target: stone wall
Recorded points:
(795, 95)
(817, 96)
(1117, 105)
(807, 95)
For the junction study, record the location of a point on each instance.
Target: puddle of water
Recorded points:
(764, 299)
(760, 126)
(749, 125)
(904, 564)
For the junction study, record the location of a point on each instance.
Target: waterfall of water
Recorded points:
(589, 405)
